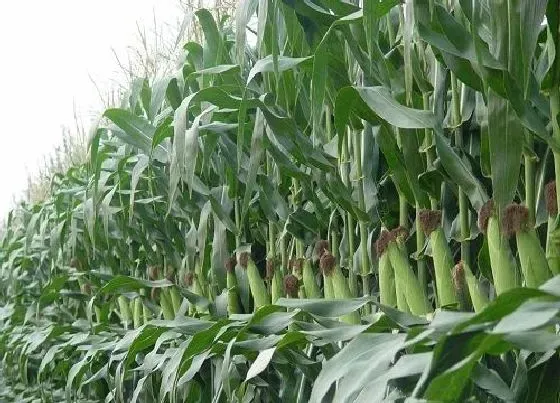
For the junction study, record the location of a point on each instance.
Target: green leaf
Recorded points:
(490, 381)
(506, 138)
(260, 364)
(266, 65)
(366, 357)
(323, 307)
(125, 283)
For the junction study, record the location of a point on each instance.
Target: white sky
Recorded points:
(49, 49)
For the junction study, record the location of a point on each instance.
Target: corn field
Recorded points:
(326, 202)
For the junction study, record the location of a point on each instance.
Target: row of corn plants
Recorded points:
(328, 201)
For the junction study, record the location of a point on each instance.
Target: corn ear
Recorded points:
(276, 287)
(124, 310)
(256, 284)
(407, 281)
(233, 298)
(443, 266)
(479, 298)
(387, 290)
(166, 306)
(137, 313)
(553, 229)
(176, 298)
(533, 259)
(145, 313)
(342, 291)
(309, 283)
(504, 270)
(201, 276)
(328, 287)
(98, 314)
(516, 220)
(553, 246)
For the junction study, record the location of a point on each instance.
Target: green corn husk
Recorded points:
(478, 297)
(145, 313)
(534, 265)
(533, 259)
(98, 314)
(443, 264)
(233, 298)
(124, 310)
(328, 287)
(401, 298)
(553, 246)
(166, 306)
(201, 276)
(342, 291)
(276, 286)
(504, 270)
(553, 229)
(340, 288)
(430, 221)
(176, 298)
(257, 286)
(137, 313)
(274, 275)
(309, 283)
(407, 282)
(387, 287)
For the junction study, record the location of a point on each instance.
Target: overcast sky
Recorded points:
(49, 50)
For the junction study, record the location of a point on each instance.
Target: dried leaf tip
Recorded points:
(297, 265)
(291, 285)
(430, 220)
(269, 269)
(153, 272)
(382, 242)
(74, 263)
(550, 198)
(327, 263)
(484, 215)
(399, 234)
(230, 264)
(243, 259)
(189, 279)
(170, 274)
(321, 247)
(459, 276)
(515, 219)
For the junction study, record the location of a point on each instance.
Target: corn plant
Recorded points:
(324, 202)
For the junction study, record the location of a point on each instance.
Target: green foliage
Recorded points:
(262, 170)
